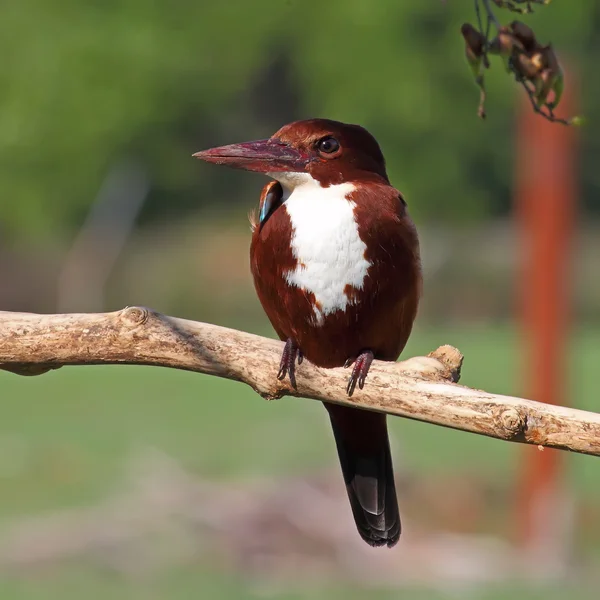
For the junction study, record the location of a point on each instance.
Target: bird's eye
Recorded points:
(328, 145)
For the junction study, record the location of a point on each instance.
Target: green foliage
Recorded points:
(83, 80)
(86, 82)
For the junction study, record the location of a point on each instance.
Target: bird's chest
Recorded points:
(330, 264)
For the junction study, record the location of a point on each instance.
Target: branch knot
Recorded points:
(451, 358)
(133, 316)
(512, 422)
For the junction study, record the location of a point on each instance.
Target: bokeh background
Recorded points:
(131, 482)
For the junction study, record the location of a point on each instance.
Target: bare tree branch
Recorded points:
(421, 388)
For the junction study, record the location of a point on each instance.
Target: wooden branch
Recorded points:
(421, 388)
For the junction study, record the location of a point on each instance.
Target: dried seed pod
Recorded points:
(525, 35)
(506, 45)
(474, 48)
(549, 58)
(544, 84)
(538, 61)
(552, 77)
(526, 67)
(474, 39)
(475, 52)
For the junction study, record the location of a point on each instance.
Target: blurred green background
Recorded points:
(128, 482)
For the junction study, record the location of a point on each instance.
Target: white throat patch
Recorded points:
(325, 241)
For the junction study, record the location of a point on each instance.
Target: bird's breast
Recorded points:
(337, 269)
(329, 252)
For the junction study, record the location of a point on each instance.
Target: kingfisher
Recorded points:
(336, 265)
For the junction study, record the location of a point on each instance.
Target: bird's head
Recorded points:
(325, 151)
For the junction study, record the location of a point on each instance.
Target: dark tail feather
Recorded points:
(363, 446)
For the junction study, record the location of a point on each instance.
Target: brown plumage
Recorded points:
(341, 290)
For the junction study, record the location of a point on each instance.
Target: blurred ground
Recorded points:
(199, 269)
(168, 482)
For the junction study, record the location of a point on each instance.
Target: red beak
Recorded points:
(263, 156)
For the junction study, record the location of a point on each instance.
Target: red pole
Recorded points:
(546, 197)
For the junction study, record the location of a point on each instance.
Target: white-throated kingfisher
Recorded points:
(336, 265)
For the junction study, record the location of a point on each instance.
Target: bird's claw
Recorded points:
(287, 366)
(360, 371)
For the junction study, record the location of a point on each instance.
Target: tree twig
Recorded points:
(489, 11)
(516, 5)
(421, 388)
(491, 19)
(550, 116)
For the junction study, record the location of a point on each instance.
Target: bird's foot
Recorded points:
(360, 370)
(287, 366)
